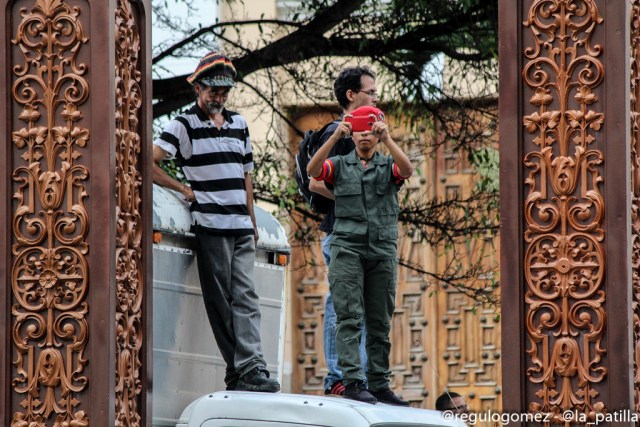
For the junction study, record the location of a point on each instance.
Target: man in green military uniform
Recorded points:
(363, 270)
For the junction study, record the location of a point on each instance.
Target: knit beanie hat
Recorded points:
(214, 69)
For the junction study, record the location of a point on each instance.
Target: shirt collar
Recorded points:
(352, 158)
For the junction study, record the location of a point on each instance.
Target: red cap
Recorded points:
(368, 110)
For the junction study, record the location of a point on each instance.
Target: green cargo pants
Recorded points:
(363, 289)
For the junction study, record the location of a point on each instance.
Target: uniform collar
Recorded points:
(352, 158)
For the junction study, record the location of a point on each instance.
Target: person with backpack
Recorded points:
(364, 249)
(353, 88)
(214, 149)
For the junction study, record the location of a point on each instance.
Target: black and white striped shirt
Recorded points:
(214, 161)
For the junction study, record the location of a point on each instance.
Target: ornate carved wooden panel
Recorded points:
(564, 209)
(75, 350)
(130, 280)
(635, 196)
(50, 221)
(568, 217)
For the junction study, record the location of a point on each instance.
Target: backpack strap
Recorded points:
(316, 137)
(344, 145)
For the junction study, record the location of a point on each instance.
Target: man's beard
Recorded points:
(215, 107)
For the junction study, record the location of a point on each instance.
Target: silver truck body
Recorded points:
(186, 360)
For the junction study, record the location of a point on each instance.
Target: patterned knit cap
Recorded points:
(214, 69)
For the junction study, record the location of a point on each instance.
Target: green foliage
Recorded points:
(172, 168)
(486, 161)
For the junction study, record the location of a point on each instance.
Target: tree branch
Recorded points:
(211, 29)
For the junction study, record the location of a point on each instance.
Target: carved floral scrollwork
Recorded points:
(564, 210)
(50, 221)
(635, 196)
(129, 278)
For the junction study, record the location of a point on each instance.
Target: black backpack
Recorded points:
(308, 147)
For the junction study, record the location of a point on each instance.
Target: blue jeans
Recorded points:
(329, 331)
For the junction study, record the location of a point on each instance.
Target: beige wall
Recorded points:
(255, 110)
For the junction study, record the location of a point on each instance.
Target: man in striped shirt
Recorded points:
(214, 149)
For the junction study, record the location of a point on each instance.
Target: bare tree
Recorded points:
(408, 43)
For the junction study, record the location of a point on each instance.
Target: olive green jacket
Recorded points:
(366, 206)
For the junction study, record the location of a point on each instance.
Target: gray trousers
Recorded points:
(225, 265)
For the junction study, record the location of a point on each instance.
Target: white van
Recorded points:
(247, 409)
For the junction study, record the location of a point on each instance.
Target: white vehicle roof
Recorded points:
(237, 408)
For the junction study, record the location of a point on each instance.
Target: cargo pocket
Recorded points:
(392, 284)
(348, 200)
(388, 232)
(345, 282)
(346, 226)
(386, 191)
